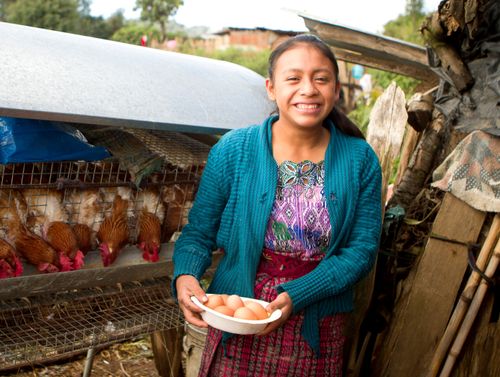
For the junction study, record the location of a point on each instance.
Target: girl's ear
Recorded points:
(270, 89)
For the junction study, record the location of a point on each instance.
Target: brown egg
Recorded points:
(214, 301)
(258, 309)
(244, 313)
(234, 302)
(223, 309)
(224, 297)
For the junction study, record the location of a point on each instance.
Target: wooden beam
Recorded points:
(387, 65)
(373, 50)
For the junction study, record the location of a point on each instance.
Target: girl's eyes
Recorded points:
(318, 79)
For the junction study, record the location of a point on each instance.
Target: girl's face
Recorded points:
(304, 86)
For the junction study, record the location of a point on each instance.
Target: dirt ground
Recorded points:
(128, 359)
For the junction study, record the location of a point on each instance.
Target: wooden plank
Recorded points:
(384, 64)
(373, 50)
(386, 129)
(420, 320)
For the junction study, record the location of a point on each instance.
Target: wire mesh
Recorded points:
(49, 327)
(154, 170)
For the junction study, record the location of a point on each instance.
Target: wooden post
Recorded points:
(167, 350)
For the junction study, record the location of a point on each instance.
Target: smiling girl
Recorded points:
(295, 203)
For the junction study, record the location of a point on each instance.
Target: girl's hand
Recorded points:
(283, 302)
(188, 286)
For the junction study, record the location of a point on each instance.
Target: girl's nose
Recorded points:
(308, 88)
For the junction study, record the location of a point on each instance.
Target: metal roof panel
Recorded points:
(51, 75)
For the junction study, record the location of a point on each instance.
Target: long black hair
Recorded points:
(341, 121)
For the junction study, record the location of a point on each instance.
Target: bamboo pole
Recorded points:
(465, 299)
(471, 314)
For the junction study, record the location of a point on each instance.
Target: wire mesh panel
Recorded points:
(152, 171)
(47, 327)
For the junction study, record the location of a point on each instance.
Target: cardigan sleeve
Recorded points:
(341, 270)
(193, 250)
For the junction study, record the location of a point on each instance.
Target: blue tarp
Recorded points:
(27, 140)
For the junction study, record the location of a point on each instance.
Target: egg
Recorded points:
(244, 313)
(234, 302)
(214, 301)
(224, 297)
(223, 309)
(258, 309)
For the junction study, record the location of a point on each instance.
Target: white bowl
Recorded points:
(236, 325)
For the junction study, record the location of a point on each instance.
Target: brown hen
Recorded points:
(49, 210)
(62, 238)
(151, 214)
(113, 234)
(31, 246)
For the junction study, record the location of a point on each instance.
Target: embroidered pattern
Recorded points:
(299, 224)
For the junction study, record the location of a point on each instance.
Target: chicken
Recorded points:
(113, 234)
(37, 251)
(47, 205)
(179, 200)
(151, 214)
(86, 215)
(61, 237)
(31, 246)
(10, 265)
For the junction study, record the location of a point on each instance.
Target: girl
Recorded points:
(295, 205)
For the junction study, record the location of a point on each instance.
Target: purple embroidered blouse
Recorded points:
(299, 225)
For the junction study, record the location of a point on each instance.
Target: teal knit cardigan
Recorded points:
(233, 204)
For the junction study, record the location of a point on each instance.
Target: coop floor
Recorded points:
(129, 359)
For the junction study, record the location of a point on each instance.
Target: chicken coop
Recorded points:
(143, 121)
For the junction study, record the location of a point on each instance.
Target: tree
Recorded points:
(3, 8)
(59, 15)
(71, 16)
(407, 26)
(158, 11)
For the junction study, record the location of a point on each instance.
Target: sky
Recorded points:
(366, 15)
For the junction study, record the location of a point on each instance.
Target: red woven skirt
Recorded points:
(283, 352)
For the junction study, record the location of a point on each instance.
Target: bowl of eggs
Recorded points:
(235, 314)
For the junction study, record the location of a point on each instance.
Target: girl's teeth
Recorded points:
(304, 106)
